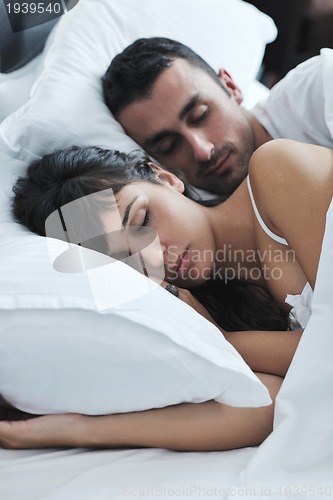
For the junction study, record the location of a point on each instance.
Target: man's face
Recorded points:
(190, 124)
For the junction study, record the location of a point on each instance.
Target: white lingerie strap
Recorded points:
(269, 233)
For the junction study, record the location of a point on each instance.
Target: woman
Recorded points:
(275, 226)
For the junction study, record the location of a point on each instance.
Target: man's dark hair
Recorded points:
(133, 72)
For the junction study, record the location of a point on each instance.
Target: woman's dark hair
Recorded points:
(74, 173)
(238, 305)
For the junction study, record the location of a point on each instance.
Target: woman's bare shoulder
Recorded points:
(292, 185)
(291, 159)
(283, 171)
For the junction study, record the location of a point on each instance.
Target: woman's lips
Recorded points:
(178, 269)
(183, 263)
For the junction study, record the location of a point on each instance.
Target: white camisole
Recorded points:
(301, 304)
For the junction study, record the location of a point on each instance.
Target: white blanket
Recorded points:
(296, 461)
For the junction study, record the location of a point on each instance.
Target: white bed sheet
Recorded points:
(120, 474)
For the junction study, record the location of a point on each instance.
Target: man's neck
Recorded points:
(260, 133)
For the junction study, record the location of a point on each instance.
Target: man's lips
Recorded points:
(219, 168)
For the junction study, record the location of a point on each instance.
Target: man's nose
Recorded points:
(202, 147)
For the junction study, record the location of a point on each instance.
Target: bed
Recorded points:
(54, 324)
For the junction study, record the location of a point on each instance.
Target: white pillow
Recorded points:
(103, 341)
(15, 87)
(66, 105)
(152, 352)
(59, 352)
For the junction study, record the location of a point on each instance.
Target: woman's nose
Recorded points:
(146, 242)
(153, 254)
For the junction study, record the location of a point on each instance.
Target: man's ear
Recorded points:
(167, 177)
(228, 82)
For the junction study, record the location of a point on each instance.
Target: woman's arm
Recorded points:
(190, 427)
(264, 351)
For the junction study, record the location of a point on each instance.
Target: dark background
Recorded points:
(301, 35)
(21, 39)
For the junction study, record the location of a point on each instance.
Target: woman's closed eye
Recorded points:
(145, 220)
(140, 234)
(140, 220)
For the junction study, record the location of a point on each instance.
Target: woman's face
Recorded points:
(164, 229)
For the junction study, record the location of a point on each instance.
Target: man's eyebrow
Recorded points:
(127, 211)
(153, 140)
(190, 105)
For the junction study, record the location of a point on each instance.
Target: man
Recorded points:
(190, 119)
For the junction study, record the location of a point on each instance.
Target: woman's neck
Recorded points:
(233, 230)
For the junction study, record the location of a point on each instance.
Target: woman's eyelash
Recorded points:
(146, 219)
